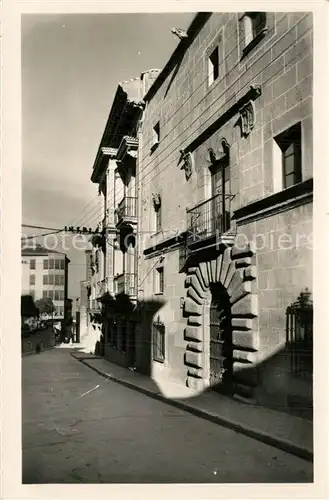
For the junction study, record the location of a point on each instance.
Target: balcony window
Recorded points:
(209, 219)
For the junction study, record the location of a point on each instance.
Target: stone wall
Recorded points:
(281, 64)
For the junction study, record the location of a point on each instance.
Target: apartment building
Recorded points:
(225, 187)
(45, 274)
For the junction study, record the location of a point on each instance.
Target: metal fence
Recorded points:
(299, 335)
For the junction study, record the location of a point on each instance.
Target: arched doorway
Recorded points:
(220, 349)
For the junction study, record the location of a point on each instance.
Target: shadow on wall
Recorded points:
(283, 381)
(276, 382)
(134, 349)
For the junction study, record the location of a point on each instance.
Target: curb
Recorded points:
(267, 438)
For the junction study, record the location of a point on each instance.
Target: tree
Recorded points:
(28, 307)
(45, 306)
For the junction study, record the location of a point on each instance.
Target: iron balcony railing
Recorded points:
(209, 218)
(127, 209)
(125, 283)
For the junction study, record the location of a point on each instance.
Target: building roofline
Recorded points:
(198, 22)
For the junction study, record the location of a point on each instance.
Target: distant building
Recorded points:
(45, 274)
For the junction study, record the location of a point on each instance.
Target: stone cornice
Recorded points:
(103, 152)
(197, 24)
(289, 198)
(128, 146)
(251, 95)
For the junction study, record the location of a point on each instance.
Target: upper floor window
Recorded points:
(45, 264)
(159, 280)
(157, 211)
(32, 264)
(155, 135)
(253, 28)
(158, 219)
(213, 66)
(288, 158)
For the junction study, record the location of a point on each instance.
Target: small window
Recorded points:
(45, 279)
(57, 263)
(62, 264)
(51, 264)
(156, 135)
(159, 283)
(61, 280)
(158, 341)
(254, 28)
(32, 279)
(45, 264)
(51, 279)
(61, 295)
(213, 66)
(158, 219)
(32, 264)
(57, 295)
(289, 144)
(57, 279)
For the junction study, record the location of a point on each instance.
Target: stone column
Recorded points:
(110, 223)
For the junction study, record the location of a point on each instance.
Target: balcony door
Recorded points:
(220, 188)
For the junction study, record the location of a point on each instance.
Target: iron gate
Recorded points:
(220, 342)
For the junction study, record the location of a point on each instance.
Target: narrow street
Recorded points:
(116, 435)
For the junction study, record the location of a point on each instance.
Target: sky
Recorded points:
(71, 66)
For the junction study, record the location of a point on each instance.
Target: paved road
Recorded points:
(116, 435)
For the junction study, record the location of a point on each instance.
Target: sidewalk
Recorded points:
(286, 432)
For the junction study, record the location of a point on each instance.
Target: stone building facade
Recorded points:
(114, 277)
(224, 187)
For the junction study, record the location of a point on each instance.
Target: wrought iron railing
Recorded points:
(209, 218)
(299, 331)
(127, 208)
(125, 283)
